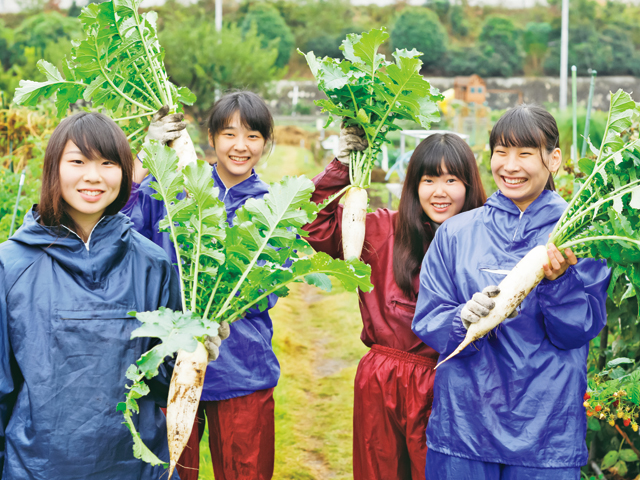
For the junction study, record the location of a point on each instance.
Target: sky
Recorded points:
(7, 6)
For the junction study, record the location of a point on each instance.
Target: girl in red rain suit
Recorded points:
(394, 381)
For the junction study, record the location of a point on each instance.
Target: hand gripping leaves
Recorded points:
(225, 271)
(117, 67)
(602, 221)
(367, 90)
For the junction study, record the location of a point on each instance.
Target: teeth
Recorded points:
(514, 181)
(441, 205)
(238, 159)
(91, 193)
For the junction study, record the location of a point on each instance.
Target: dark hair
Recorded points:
(527, 126)
(254, 114)
(97, 136)
(413, 232)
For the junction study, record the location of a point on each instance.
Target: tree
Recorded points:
(458, 21)
(536, 41)
(198, 57)
(441, 7)
(501, 46)
(270, 26)
(328, 45)
(46, 28)
(421, 29)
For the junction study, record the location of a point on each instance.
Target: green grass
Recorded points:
(317, 341)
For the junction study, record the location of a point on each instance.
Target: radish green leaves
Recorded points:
(371, 92)
(117, 67)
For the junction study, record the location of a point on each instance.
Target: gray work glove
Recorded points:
(212, 344)
(166, 128)
(480, 305)
(351, 138)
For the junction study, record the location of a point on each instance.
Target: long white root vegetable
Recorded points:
(513, 289)
(184, 397)
(353, 222)
(183, 145)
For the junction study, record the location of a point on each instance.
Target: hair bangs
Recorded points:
(516, 129)
(254, 114)
(96, 138)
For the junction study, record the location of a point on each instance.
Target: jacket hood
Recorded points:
(106, 247)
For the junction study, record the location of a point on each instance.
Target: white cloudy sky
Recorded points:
(14, 5)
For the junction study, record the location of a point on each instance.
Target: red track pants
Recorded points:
(241, 438)
(392, 404)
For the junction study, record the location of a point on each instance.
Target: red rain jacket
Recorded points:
(386, 313)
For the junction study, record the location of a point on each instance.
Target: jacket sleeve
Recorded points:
(574, 305)
(10, 377)
(133, 199)
(325, 232)
(437, 319)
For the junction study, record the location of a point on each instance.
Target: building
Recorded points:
(471, 89)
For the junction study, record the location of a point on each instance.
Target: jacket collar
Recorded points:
(105, 249)
(237, 195)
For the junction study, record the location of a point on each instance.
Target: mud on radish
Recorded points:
(225, 271)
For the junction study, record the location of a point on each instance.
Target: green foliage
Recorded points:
(368, 91)
(118, 67)
(458, 21)
(238, 60)
(270, 26)
(420, 28)
(500, 44)
(440, 7)
(46, 28)
(536, 41)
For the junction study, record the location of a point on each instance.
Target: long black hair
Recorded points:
(413, 232)
(527, 126)
(97, 136)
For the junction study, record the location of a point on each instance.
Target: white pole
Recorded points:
(218, 15)
(564, 54)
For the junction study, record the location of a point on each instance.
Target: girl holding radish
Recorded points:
(394, 381)
(510, 406)
(68, 278)
(237, 398)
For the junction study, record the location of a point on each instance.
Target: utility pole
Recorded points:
(218, 15)
(564, 54)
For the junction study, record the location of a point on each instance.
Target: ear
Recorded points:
(555, 160)
(211, 140)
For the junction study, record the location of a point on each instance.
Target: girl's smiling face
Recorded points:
(521, 173)
(238, 150)
(441, 197)
(88, 186)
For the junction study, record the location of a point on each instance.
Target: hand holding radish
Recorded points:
(165, 128)
(481, 305)
(212, 343)
(558, 264)
(351, 139)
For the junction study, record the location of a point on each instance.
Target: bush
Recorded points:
(458, 21)
(501, 47)
(204, 60)
(421, 29)
(270, 26)
(441, 7)
(536, 43)
(328, 45)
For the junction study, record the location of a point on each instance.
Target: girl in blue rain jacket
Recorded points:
(510, 405)
(68, 278)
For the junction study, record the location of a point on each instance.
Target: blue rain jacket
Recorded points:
(65, 347)
(515, 396)
(247, 362)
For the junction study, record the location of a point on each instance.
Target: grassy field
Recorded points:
(317, 341)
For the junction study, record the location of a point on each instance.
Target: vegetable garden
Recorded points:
(227, 270)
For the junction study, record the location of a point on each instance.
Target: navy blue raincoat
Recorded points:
(65, 347)
(247, 362)
(515, 396)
